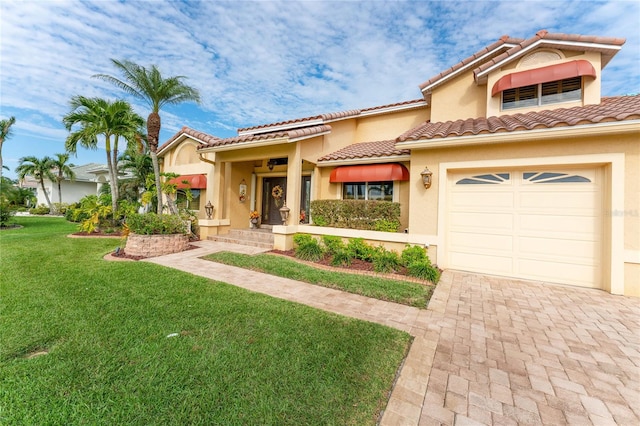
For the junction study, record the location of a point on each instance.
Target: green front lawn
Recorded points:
(404, 292)
(238, 357)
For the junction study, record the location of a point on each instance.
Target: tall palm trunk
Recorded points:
(112, 176)
(153, 133)
(46, 196)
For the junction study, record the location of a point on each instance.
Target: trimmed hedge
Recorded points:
(357, 214)
(153, 224)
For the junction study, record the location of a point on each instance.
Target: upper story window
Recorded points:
(377, 191)
(569, 89)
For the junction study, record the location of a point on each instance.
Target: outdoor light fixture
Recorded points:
(243, 191)
(270, 164)
(426, 177)
(208, 209)
(284, 212)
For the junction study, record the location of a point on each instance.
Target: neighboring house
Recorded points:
(533, 174)
(89, 178)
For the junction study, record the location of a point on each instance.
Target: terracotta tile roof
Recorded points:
(617, 108)
(288, 134)
(366, 150)
(204, 137)
(329, 116)
(505, 42)
(549, 39)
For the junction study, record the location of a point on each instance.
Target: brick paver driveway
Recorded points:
(487, 350)
(516, 352)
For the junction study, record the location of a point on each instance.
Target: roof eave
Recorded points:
(598, 129)
(365, 160)
(481, 76)
(288, 126)
(470, 65)
(243, 145)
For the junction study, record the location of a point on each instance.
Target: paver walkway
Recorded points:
(487, 350)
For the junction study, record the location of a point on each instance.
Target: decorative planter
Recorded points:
(255, 223)
(155, 245)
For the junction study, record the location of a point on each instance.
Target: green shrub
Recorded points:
(307, 248)
(357, 248)
(341, 258)
(424, 270)
(385, 260)
(6, 213)
(385, 225)
(333, 244)
(413, 254)
(39, 210)
(60, 208)
(153, 224)
(356, 214)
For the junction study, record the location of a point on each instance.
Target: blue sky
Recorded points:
(267, 61)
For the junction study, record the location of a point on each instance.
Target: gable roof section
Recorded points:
(503, 44)
(611, 109)
(84, 172)
(367, 151)
(200, 137)
(607, 46)
(266, 138)
(329, 117)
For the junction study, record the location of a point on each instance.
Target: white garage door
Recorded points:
(536, 224)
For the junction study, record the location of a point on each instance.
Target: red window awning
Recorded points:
(544, 75)
(190, 181)
(369, 173)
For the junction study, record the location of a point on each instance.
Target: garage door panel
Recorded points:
(481, 263)
(499, 243)
(561, 202)
(499, 200)
(490, 222)
(543, 224)
(554, 249)
(578, 227)
(559, 272)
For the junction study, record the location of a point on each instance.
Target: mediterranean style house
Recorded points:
(510, 163)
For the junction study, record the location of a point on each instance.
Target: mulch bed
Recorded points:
(116, 234)
(121, 254)
(357, 266)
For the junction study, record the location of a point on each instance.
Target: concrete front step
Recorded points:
(262, 238)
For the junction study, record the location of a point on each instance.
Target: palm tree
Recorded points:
(62, 170)
(140, 166)
(5, 132)
(149, 86)
(40, 169)
(93, 117)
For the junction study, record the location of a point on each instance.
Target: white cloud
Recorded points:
(259, 62)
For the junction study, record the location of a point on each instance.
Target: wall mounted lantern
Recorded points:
(426, 177)
(284, 212)
(208, 208)
(270, 164)
(243, 191)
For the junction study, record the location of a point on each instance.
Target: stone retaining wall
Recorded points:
(155, 245)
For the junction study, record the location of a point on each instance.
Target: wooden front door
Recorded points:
(270, 204)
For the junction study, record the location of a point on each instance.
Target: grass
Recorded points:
(238, 357)
(404, 292)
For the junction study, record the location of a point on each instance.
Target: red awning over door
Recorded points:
(194, 181)
(369, 173)
(544, 75)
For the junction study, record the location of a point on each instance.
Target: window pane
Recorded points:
(569, 89)
(520, 97)
(354, 191)
(380, 191)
